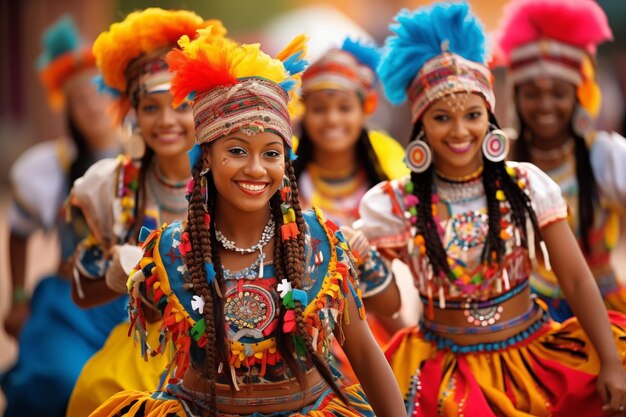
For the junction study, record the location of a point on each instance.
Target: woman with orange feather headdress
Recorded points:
(143, 188)
(50, 326)
(251, 288)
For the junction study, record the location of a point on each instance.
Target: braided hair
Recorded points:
(365, 155)
(289, 259)
(587, 186)
(495, 177)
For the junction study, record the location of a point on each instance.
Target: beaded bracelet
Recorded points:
(20, 296)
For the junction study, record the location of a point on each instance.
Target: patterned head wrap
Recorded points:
(62, 59)
(236, 87)
(436, 51)
(351, 68)
(555, 38)
(131, 53)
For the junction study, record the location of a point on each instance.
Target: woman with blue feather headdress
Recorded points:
(471, 226)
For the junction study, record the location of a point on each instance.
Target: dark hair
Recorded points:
(288, 262)
(364, 150)
(587, 187)
(84, 155)
(141, 196)
(495, 178)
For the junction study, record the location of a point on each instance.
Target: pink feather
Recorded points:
(581, 23)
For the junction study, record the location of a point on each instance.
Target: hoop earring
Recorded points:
(582, 122)
(418, 154)
(136, 146)
(495, 145)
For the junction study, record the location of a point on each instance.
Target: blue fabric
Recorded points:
(558, 308)
(54, 344)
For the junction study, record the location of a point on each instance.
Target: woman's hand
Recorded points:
(612, 388)
(123, 260)
(358, 242)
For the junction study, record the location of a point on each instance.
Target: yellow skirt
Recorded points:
(118, 366)
(550, 371)
(164, 404)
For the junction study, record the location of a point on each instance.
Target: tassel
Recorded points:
(505, 278)
(546, 255)
(442, 298)
(530, 240)
(233, 376)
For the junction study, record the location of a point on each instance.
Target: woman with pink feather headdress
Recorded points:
(550, 48)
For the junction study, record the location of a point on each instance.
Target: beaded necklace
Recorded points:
(266, 236)
(167, 194)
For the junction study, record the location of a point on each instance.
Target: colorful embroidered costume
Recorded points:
(58, 337)
(558, 39)
(538, 367)
(251, 306)
(131, 57)
(238, 88)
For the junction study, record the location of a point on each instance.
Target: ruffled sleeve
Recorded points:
(38, 181)
(545, 194)
(382, 215)
(608, 160)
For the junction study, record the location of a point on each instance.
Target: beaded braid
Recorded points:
(587, 185)
(141, 196)
(293, 259)
(195, 261)
(495, 178)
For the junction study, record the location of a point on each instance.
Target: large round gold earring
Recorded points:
(136, 145)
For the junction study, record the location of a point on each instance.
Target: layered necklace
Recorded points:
(248, 272)
(168, 195)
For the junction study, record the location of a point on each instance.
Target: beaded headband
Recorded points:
(253, 105)
(446, 74)
(338, 70)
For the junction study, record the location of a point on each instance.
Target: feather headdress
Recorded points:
(555, 38)
(352, 68)
(436, 50)
(61, 59)
(236, 87)
(127, 49)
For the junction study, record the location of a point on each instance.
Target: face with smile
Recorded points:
(455, 126)
(333, 119)
(247, 170)
(546, 105)
(168, 131)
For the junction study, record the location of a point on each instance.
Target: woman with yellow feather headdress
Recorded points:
(144, 188)
(550, 47)
(251, 289)
(50, 325)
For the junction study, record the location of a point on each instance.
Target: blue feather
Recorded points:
(59, 39)
(419, 36)
(194, 154)
(294, 64)
(288, 84)
(366, 54)
(98, 81)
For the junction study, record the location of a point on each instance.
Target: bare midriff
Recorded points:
(512, 308)
(261, 398)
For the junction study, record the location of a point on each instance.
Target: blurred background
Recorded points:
(25, 118)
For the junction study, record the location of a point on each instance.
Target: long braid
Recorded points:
(195, 261)
(293, 250)
(587, 191)
(423, 183)
(141, 196)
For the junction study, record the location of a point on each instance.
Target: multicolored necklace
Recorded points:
(168, 195)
